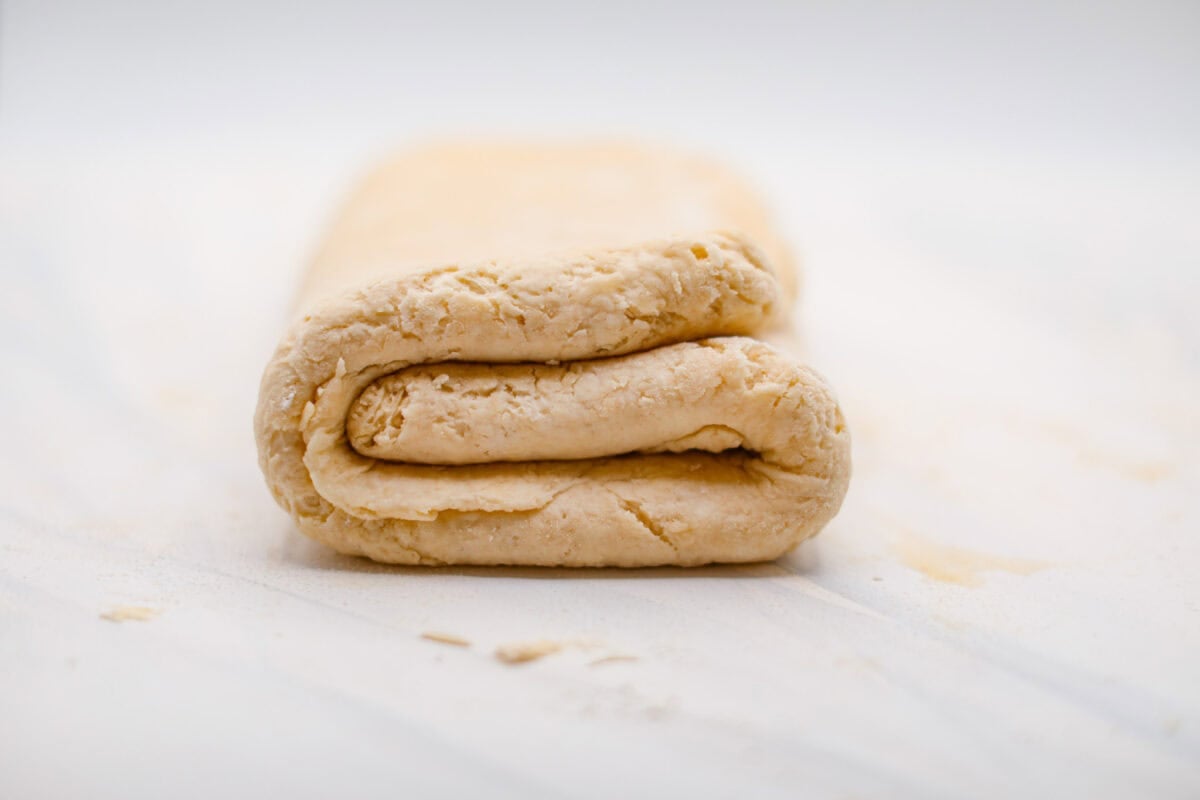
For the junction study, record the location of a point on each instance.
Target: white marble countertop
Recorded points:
(1007, 605)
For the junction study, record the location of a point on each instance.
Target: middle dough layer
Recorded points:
(712, 396)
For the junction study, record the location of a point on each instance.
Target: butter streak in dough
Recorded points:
(601, 407)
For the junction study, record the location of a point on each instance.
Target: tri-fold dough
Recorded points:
(603, 406)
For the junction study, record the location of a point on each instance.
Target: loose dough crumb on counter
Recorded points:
(130, 614)
(446, 638)
(522, 652)
(613, 659)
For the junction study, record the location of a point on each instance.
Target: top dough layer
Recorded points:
(473, 202)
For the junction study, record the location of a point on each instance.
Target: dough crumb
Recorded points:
(130, 614)
(613, 659)
(445, 638)
(523, 652)
(958, 565)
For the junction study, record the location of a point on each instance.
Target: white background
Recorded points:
(997, 208)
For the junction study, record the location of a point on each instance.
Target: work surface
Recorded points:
(1006, 605)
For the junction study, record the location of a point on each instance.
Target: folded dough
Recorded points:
(502, 355)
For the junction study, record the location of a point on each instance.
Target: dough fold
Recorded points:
(594, 406)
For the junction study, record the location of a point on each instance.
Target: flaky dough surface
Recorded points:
(595, 406)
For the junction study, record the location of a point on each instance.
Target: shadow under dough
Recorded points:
(301, 551)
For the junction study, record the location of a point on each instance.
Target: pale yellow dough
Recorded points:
(574, 387)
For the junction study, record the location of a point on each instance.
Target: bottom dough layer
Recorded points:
(721, 449)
